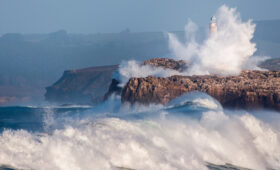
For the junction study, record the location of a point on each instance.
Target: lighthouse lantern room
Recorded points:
(213, 25)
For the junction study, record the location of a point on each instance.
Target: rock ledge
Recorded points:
(251, 89)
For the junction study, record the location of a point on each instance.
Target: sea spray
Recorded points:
(225, 52)
(158, 140)
(132, 68)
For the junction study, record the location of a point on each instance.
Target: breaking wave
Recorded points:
(161, 138)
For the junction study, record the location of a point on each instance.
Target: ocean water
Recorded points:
(192, 132)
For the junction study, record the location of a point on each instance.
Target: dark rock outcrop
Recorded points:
(83, 86)
(271, 64)
(251, 89)
(114, 88)
(167, 63)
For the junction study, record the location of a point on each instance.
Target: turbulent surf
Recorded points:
(192, 132)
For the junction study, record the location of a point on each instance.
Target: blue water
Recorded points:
(33, 118)
(191, 132)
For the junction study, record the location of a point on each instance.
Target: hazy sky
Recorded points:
(92, 16)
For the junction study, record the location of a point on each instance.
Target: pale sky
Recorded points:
(93, 16)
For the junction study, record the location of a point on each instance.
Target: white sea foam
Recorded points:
(225, 52)
(197, 98)
(132, 68)
(149, 143)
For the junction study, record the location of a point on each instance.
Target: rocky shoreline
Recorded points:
(249, 90)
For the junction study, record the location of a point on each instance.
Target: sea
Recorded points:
(191, 132)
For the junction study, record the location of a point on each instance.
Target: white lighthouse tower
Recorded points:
(213, 25)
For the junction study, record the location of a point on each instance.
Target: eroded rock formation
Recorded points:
(251, 89)
(167, 63)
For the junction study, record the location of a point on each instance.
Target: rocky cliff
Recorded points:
(88, 86)
(251, 89)
(83, 86)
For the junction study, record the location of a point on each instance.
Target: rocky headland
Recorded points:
(83, 86)
(250, 89)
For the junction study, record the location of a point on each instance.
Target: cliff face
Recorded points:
(251, 89)
(83, 86)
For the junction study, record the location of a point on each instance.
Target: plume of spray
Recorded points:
(132, 68)
(225, 52)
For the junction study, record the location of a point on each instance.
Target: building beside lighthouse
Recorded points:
(213, 25)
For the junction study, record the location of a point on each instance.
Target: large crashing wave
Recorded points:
(225, 52)
(159, 140)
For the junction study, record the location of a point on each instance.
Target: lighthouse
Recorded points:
(213, 25)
